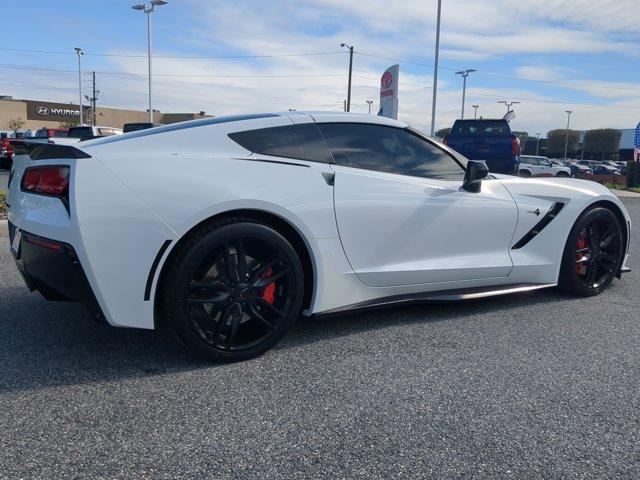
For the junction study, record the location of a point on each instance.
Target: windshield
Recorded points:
(80, 132)
(480, 127)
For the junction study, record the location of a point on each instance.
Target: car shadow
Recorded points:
(47, 344)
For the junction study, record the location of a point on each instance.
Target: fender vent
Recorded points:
(546, 220)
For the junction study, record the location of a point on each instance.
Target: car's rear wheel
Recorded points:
(593, 254)
(233, 290)
(524, 173)
(562, 174)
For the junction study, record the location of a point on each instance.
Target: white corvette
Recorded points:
(227, 229)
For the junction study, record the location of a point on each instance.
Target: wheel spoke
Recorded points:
(257, 314)
(269, 307)
(263, 282)
(236, 317)
(594, 235)
(608, 260)
(243, 269)
(232, 268)
(591, 274)
(214, 293)
(608, 236)
(257, 273)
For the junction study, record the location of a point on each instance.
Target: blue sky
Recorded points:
(586, 51)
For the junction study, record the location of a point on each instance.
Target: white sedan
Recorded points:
(226, 230)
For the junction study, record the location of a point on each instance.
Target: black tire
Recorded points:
(524, 173)
(214, 291)
(595, 242)
(562, 174)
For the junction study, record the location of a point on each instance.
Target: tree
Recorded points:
(16, 123)
(442, 132)
(556, 139)
(68, 124)
(602, 141)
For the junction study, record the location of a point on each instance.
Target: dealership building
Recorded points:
(37, 114)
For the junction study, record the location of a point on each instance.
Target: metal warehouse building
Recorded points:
(37, 114)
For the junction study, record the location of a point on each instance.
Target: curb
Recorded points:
(624, 193)
(4, 228)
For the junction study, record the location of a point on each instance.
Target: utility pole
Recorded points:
(435, 71)
(149, 8)
(566, 137)
(369, 102)
(348, 107)
(79, 52)
(465, 74)
(92, 99)
(537, 142)
(508, 104)
(475, 111)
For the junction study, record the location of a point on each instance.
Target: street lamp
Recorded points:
(148, 8)
(79, 52)
(537, 142)
(566, 137)
(348, 108)
(369, 102)
(465, 74)
(508, 104)
(475, 111)
(435, 71)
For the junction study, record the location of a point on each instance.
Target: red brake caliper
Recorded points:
(581, 268)
(269, 293)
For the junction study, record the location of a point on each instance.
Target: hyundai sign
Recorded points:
(52, 112)
(389, 92)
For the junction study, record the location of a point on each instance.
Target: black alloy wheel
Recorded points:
(593, 254)
(237, 290)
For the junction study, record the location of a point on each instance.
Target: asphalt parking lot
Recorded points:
(534, 385)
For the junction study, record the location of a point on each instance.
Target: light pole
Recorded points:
(369, 102)
(348, 109)
(475, 111)
(537, 142)
(435, 71)
(508, 104)
(79, 52)
(148, 8)
(566, 137)
(465, 74)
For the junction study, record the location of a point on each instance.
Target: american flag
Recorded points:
(636, 143)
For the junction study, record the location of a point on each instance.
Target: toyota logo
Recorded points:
(43, 111)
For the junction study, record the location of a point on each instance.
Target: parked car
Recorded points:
(52, 133)
(6, 152)
(87, 132)
(279, 215)
(134, 127)
(531, 165)
(577, 169)
(605, 170)
(488, 140)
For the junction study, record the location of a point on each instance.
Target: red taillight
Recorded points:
(515, 146)
(48, 180)
(6, 146)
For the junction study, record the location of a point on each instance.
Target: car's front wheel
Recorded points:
(233, 290)
(593, 254)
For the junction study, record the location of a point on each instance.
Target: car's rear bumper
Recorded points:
(51, 267)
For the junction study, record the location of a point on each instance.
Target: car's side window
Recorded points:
(388, 149)
(301, 141)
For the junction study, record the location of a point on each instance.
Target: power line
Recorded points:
(508, 77)
(10, 67)
(124, 55)
(561, 102)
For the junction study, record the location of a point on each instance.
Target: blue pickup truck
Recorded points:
(488, 140)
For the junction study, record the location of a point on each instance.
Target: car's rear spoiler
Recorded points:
(46, 151)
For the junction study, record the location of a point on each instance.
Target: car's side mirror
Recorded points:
(476, 171)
